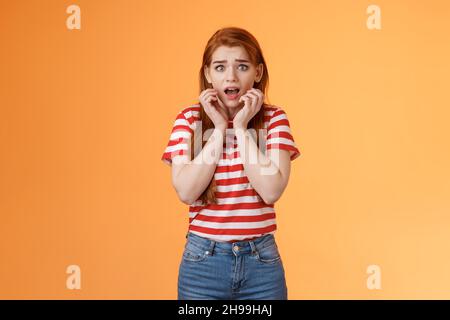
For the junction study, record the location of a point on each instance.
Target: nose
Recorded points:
(231, 75)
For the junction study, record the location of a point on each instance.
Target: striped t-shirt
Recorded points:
(240, 213)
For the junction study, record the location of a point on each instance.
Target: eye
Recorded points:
(245, 66)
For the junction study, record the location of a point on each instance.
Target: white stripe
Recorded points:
(188, 113)
(233, 225)
(229, 162)
(229, 175)
(180, 134)
(234, 187)
(225, 238)
(278, 117)
(181, 122)
(281, 128)
(229, 152)
(229, 213)
(231, 146)
(230, 137)
(192, 113)
(235, 200)
(280, 140)
(177, 147)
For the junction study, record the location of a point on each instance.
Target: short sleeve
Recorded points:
(279, 134)
(179, 140)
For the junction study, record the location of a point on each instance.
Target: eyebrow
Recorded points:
(238, 60)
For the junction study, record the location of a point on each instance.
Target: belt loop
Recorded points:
(253, 246)
(211, 247)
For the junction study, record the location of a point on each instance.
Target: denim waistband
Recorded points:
(244, 246)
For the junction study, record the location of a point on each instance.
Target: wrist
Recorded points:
(240, 127)
(221, 128)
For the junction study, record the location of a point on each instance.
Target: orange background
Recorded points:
(86, 115)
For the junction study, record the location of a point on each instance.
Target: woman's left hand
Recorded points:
(253, 101)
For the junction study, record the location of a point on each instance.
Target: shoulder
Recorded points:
(190, 112)
(272, 111)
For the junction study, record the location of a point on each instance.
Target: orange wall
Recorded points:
(86, 115)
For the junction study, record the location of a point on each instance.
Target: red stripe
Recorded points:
(281, 122)
(181, 127)
(219, 219)
(233, 231)
(282, 146)
(195, 208)
(280, 134)
(191, 120)
(277, 113)
(233, 168)
(234, 145)
(191, 108)
(239, 193)
(196, 107)
(225, 166)
(169, 155)
(233, 155)
(235, 206)
(227, 182)
(180, 140)
(287, 147)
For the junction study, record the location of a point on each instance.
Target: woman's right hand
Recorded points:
(214, 108)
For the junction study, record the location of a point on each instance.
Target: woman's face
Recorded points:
(231, 67)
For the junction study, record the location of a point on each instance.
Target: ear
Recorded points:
(259, 72)
(206, 73)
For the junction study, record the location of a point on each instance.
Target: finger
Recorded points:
(203, 93)
(209, 96)
(253, 95)
(208, 102)
(259, 93)
(207, 92)
(254, 99)
(246, 100)
(221, 104)
(242, 97)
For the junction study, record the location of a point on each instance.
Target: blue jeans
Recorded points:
(242, 270)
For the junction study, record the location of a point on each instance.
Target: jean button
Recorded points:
(236, 248)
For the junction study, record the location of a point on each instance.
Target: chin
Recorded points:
(233, 104)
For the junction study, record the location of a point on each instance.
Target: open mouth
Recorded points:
(232, 93)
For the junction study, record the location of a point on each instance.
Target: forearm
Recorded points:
(262, 172)
(195, 176)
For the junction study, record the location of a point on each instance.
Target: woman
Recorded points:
(230, 156)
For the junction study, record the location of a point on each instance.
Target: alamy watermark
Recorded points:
(259, 157)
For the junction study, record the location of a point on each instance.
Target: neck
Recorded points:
(232, 112)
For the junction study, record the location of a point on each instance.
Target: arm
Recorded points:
(269, 174)
(191, 178)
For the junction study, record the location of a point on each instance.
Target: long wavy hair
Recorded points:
(230, 37)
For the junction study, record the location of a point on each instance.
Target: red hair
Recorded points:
(230, 37)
